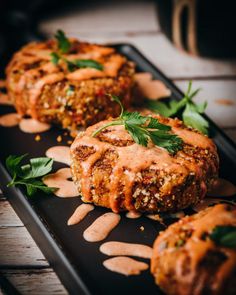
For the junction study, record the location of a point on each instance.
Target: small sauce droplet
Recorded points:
(125, 265)
(10, 120)
(80, 213)
(133, 214)
(59, 154)
(66, 188)
(33, 126)
(101, 227)
(126, 249)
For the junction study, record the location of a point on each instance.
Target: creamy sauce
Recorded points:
(35, 59)
(101, 227)
(133, 215)
(155, 217)
(222, 188)
(59, 154)
(155, 157)
(125, 265)
(4, 99)
(9, 120)
(59, 179)
(33, 126)
(152, 89)
(126, 249)
(80, 213)
(196, 247)
(203, 204)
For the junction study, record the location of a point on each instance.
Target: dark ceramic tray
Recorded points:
(79, 263)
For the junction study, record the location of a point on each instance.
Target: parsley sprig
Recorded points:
(186, 108)
(144, 128)
(29, 175)
(224, 236)
(64, 47)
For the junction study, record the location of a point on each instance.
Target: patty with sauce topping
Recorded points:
(113, 171)
(186, 261)
(51, 93)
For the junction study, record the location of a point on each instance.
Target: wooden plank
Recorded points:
(106, 17)
(214, 92)
(8, 216)
(18, 248)
(33, 281)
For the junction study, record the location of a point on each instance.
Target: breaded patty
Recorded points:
(187, 262)
(51, 93)
(112, 170)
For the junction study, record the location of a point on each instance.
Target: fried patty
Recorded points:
(187, 262)
(113, 171)
(51, 93)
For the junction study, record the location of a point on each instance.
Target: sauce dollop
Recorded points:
(59, 154)
(101, 227)
(33, 126)
(126, 249)
(10, 120)
(80, 213)
(59, 179)
(125, 265)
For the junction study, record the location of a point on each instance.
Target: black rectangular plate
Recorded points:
(79, 263)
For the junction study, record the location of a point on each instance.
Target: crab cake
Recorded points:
(187, 261)
(55, 93)
(113, 171)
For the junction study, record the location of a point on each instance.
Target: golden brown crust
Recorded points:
(51, 93)
(113, 171)
(186, 261)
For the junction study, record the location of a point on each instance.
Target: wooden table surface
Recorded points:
(134, 22)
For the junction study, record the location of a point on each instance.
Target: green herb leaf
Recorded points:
(62, 41)
(28, 175)
(55, 58)
(38, 167)
(145, 128)
(88, 63)
(224, 236)
(192, 117)
(189, 111)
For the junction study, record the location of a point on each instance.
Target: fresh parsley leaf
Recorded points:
(63, 42)
(55, 58)
(88, 63)
(224, 236)
(13, 164)
(192, 117)
(38, 167)
(145, 128)
(189, 111)
(29, 175)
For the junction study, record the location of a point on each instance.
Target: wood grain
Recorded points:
(106, 18)
(8, 216)
(19, 249)
(35, 282)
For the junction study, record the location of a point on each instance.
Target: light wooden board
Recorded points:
(8, 216)
(18, 248)
(35, 282)
(112, 18)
